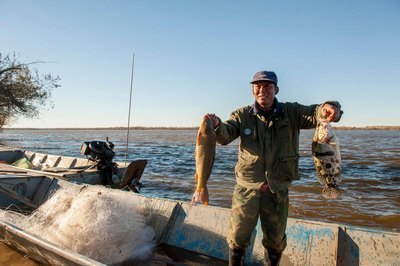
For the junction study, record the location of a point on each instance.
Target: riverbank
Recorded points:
(189, 128)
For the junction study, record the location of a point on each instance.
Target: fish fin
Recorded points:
(198, 139)
(204, 196)
(195, 197)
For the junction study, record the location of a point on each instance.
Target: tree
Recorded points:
(23, 92)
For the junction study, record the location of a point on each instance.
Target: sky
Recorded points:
(197, 57)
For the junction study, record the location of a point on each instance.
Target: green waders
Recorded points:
(247, 206)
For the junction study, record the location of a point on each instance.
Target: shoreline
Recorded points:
(192, 128)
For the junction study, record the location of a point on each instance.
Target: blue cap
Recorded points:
(265, 76)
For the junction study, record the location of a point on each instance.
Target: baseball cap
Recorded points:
(265, 76)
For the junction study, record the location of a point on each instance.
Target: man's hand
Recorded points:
(214, 119)
(329, 112)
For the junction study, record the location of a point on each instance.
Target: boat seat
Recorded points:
(37, 158)
(66, 162)
(83, 162)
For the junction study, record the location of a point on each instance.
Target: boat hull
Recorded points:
(194, 228)
(39, 249)
(202, 230)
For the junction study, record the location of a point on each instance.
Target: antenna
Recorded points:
(129, 113)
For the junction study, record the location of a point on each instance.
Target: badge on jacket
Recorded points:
(247, 131)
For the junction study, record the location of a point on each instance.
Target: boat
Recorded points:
(185, 233)
(98, 167)
(189, 234)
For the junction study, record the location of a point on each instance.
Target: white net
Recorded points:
(100, 223)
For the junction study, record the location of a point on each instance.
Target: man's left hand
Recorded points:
(329, 112)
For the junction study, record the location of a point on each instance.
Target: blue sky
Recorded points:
(194, 57)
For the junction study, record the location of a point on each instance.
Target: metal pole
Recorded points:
(129, 113)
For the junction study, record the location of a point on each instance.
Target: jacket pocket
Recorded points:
(249, 168)
(246, 162)
(288, 167)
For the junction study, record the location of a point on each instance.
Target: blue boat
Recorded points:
(190, 234)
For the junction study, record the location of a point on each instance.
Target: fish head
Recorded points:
(324, 131)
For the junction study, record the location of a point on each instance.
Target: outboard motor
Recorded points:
(103, 154)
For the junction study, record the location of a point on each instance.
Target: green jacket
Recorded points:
(268, 150)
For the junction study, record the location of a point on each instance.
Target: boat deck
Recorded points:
(170, 255)
(164, 255)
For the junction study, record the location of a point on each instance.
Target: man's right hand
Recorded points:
(214, 119)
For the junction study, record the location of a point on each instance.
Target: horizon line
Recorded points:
(177, 128)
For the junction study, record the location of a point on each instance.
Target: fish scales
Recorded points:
(327, 159)
(204, 155)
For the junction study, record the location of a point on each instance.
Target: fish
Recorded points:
(204, 155)
(327, 159)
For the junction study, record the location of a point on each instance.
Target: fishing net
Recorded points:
(94, 221)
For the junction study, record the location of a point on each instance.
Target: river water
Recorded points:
(370, 163)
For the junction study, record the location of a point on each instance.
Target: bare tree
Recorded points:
(23, 92)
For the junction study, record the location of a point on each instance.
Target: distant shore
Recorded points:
(192, 128)
(368, 128)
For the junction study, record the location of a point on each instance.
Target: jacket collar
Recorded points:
(276, 109)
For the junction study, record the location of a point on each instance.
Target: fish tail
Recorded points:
(195, 197)
(200, 195)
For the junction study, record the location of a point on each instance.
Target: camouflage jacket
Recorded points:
(268, 149)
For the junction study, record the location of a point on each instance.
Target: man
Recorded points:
(267, 163)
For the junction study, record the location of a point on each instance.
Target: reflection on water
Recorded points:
(370, 163)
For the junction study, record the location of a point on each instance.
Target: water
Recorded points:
(370, 163)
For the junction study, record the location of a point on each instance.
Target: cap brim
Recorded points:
(258, 80)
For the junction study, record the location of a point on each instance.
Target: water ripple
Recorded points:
(370, 170)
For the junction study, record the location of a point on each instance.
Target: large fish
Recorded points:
(204, 154)
(326, 154)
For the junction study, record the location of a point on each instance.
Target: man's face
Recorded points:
(264, 92)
